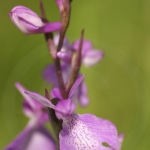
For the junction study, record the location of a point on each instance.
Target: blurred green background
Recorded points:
(118, 86)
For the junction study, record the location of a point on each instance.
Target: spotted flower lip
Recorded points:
(87, 132)
(64, 107)
(30, 23)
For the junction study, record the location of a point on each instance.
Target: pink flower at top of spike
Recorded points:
(30, 23)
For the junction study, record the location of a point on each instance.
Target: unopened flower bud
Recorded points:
(30, 23)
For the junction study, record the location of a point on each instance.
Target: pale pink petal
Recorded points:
(46, 102)
(75, 85)
(31, 107)
(28, 99)
(33, 138)
(48, 27)
(92, 57)
(30, 23)
(66, 44)
(86, 46)
(65, 56)
(55, 93)
(50, 75)
(64, 108)
(83, 95)
(119, 143)
(59, 4)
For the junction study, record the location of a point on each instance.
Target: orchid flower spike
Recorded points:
(30, 23)
(79, 132)
(64, 107)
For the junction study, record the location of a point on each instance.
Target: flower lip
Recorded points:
(88, 132)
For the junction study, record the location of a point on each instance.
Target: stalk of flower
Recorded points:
(65, 11)
(53, 51)
(76, 65)
(50, 44)
(56, 124)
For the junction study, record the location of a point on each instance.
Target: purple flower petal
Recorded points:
(30, 106)
(55, 93)
(65, 56)
(46, 102)
(75, 85)
(29, 22)
(33, 138)
(48, 27)
(50, 75)
(86, 46)
(27, 109)
(88, 132)
(66, 44)
(119, 143)
(29, 100)
(92, 57)
(29, 112)
(66, 53)
(64, 108)
(83, 95)
(59, 4)
(25, 19)
(42, 140)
